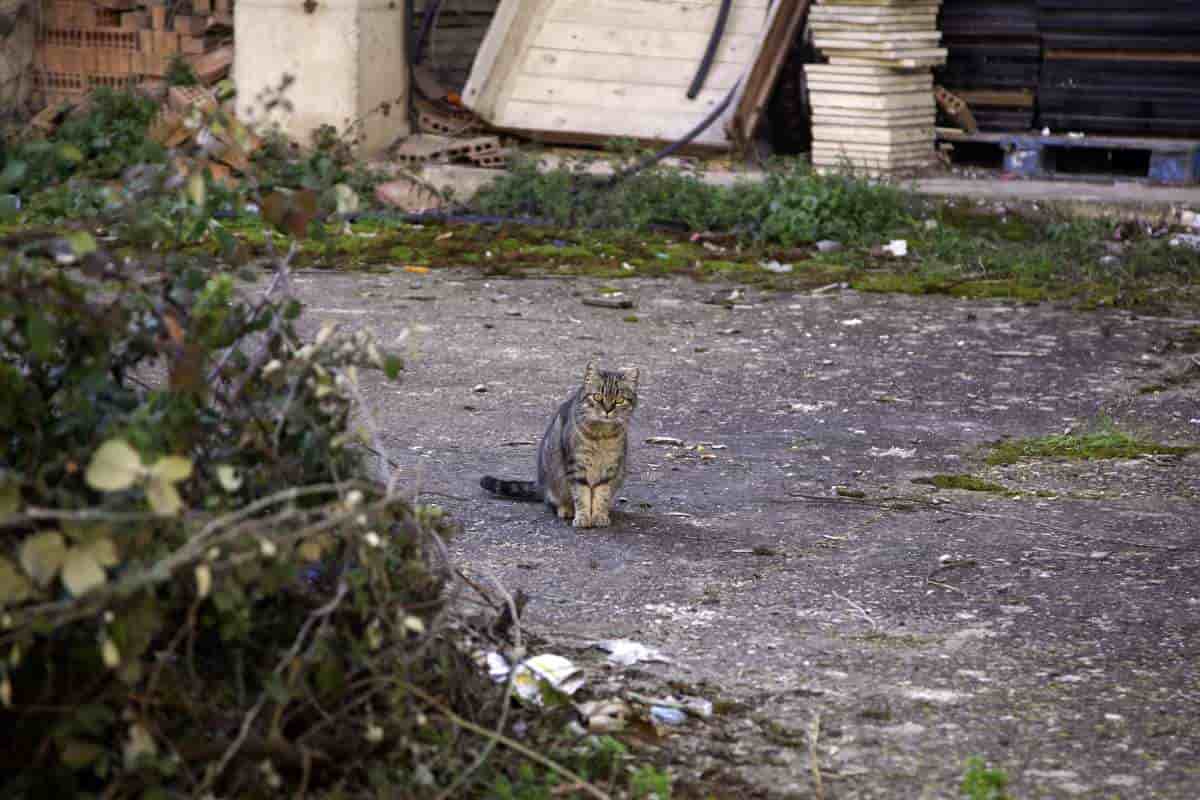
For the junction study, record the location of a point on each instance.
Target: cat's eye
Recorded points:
(620, 401)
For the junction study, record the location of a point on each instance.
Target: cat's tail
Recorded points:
(516, 490)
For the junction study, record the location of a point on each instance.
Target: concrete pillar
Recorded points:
(347, 58)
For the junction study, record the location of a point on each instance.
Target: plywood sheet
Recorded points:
(575, 70)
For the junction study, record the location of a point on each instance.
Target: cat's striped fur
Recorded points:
(582, 457)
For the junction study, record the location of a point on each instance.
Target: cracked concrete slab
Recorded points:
(1053, 630)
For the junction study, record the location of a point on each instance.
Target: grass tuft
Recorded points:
(1102, 443)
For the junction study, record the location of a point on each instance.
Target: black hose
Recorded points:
(429, 16)
(710, 53)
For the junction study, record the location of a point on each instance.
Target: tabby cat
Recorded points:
(581, 460)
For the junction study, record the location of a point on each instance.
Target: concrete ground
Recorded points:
(860, 642)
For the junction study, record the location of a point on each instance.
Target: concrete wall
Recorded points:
(347, 58)
(16, 55)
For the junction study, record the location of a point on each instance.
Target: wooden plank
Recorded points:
(904, 85)
(884, 51)
(877, 27)
(580, 122)
(831, 100)
(900, 63)
(786, 20)
(501, 51)
(626, 69)
(613, 95)
(917, 133)
(641, 42)
(1019, 98)
(744, 18)
(853, 38)
(872, 121)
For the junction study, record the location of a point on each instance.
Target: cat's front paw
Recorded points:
(601, 521)
(582, 521)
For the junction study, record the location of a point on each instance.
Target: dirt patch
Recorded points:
(1053, 629)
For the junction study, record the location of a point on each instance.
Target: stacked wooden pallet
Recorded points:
(994, 59)
(83, 45)
(872, 104)
(1120, 67)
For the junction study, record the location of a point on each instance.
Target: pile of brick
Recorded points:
(873, 105)
(83, 45)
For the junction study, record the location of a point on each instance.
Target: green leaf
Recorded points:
(104, 551)
(78, 753)
(81, 243)
(14, 587)
(392, 365)
(10, 496)
(81, 573)
(172, 469)
(41, 556)
(13, 175)
(227, 241)
(114, 467)
(229, 477)
(163, 497)
(39, 335)
(70, 154)
(197, 192)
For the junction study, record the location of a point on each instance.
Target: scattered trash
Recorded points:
(1189, 219)
(832, 287)
(897, 247)
(497, 667)
(1191, 240)
(608, 301)
(667, 716)
(828, 246)
(893, 452)
(775, 266)
(727, 299)
(846, 491)
(852, 323)
(626, 652)
(670, 441)
(479, 389)
(555, 671)
(729, 331)
(931, 224)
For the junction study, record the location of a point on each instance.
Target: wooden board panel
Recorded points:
(744, 18)
(648, 43)
(614, 95)
(589, 120)
(542, 62)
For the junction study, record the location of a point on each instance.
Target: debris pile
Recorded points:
(873, 105)
(126, 44)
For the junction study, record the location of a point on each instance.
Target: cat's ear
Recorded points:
(630, 374)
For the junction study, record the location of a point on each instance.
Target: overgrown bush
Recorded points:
(792, 205)
(200, 588)
(97, 143)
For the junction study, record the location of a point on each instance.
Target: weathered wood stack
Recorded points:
(994, 60)
(87, 44)
(872, 104)
(1118, 67)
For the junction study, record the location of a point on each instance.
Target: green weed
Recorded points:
(1106, 441)
(981, 782)
(968, 483)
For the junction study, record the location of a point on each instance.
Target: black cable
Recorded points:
(429, 16)
(710, 53)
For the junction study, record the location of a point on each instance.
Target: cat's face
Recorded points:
(609, 398)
